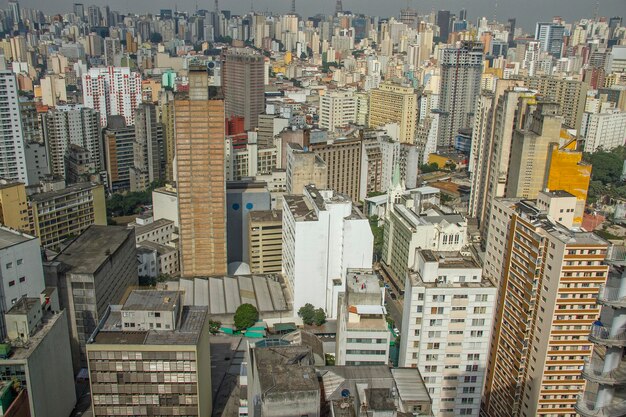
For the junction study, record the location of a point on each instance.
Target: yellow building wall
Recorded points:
(99, 206)
(438, 159)
(14, 208)
(567, 172)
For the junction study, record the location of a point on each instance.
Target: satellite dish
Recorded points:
(345, 393)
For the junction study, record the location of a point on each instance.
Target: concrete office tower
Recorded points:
(540, 339)
(443, 21)
(166, 107)
(65, 213)
(40, 359)
(112, 91)
(78, 165)
(199, 133)
(270, 125)
(95, 270)
(550, 37)
(152, 336)
(606, 130)
(530, 148)
(446, 328)
(362, 332)
(461, 70)
(604, 370)
(14, 206)
(21, 270)
(343, 163)
(242, 197)
(119, 144)
(78, 125)
(323, 235)
(392, 103)
(570, 94)
(79, 11)
(304, 168)
(148, 149)
(406, 231)
(12, 152)
(265, 241)
(243, 82)
(337, 109)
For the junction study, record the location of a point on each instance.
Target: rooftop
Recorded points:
(9, 237)
(151, 300)
(147, 228)
(24, 305)
(93, 247)
(167, 190)
(23, 351)
(410, 384)
(188, 332)
(147, 245)
(50, 195)
(362, 281)
(275, 378)
(266, 216)
(558, 193)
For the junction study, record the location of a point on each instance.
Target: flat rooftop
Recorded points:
(10, 237)
(48, 321)
(150, 246)
(93, 247)
(147, 228)
(558, 193)
(50, 195)
(275, 378)
(266, 216)
(165, 190)
(451, 259)
(187, 333)
(300, 208)
(362, 281)
(24, 305)
(223, 294)
(410, 384)
(151, 300)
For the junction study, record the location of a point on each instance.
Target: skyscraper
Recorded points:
(548, 278)
(550, 35)
(112, 91)
(443, 21)
(148, 149)
(461, 69)
(200, 153)
(510, 26)
(243, 83)
(12, 153)
(79, 11)
(393, 103)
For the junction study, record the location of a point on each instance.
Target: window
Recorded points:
(19, 262)
(11, 283)
(419, 309)
(473, 356)
(9, 265)
(481, 297)
(476, 333)
(439, 298)
(22, 279)
(436, 310)
(480, 310)
(478, 322)
(436, 322)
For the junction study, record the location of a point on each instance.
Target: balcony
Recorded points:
(609, 296)
(593, 371)
(586, 407)
(602, 335)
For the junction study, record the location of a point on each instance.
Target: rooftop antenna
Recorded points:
(293, 6)
(217, 6)
(495, 10)
(596, 11)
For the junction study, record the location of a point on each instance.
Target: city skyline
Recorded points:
(525, 12)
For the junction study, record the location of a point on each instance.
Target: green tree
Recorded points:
(245, 316)
(214, 326)
(307, 314)
(426, 168)
(378, 232)
(319, 317)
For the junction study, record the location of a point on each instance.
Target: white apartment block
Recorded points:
(446, 329)
(324, 234)
(337, 109)
(112, 91)
(12, 153)
(603, 130)
(362, 333)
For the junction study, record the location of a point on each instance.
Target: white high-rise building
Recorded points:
(337, 109)
(446, 329)
(112, 91)
(12, 153)
(324, 234)
(605, 130)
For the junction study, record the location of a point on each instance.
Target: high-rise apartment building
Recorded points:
(12, 152)
(530, 146)
(199, 138)
(446, 328)
(337, 109)
(95, 270)
(392, 103)
(156, 353)
(548, 277)
(78, 125)
(550, 36)
(119, 157)
(570, 94)
(148, 149)
(243, 81)
(343, 165)
(65, 213)
(265, 241)
(605, 370)
(112, 91)
(362, 332)
(323, 235)
(605, 130)
(14, 211)
(461, 70)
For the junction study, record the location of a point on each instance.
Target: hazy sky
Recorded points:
(527, 12)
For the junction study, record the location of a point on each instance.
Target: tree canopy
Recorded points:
(310, 315)
(245, 316)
